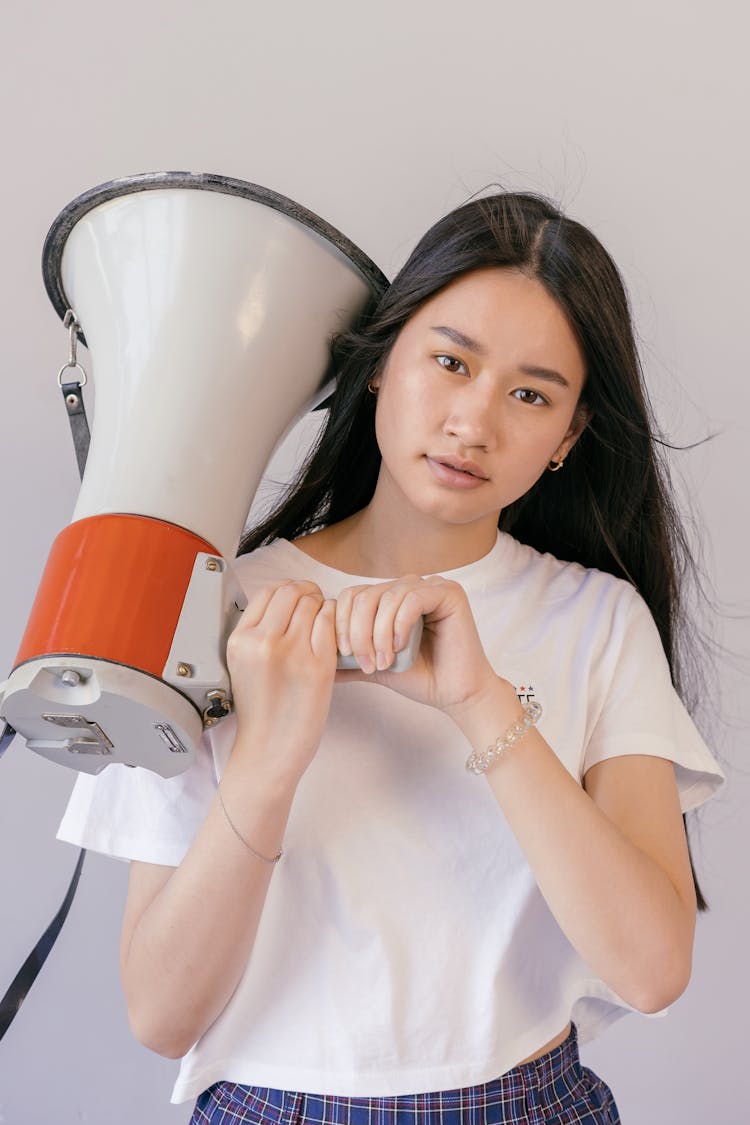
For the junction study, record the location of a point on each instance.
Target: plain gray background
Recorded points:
(380, 118)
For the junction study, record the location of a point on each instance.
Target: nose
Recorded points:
(473, 414)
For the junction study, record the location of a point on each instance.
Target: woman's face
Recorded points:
(477, 396)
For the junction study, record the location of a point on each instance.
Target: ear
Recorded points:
(580, 420)
(373, 383)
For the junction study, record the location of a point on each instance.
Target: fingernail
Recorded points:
(398, 642)
(366, 664)
(343, 645)
(382, 661)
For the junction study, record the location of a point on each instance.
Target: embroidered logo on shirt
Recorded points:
(525, 693)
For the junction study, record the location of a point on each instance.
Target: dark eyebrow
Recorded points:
(544, 373)
(460, 339)
(473, 346)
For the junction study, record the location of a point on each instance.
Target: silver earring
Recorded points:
(555, 465)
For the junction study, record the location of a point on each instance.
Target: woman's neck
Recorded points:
(372, 546)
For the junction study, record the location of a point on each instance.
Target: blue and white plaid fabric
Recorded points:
(552, 1090)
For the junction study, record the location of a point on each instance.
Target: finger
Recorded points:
(364, 607)
(303, 615)
(383, 639)
(343, 613)
(430, 599)
(409, 611)
(282, 605)
(323, 632)
(257, 603)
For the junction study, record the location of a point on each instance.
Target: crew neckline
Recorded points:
(469, 573)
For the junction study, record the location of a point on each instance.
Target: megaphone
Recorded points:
(207, 305)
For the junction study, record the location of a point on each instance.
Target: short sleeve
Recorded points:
(136, 814)
(643, 714)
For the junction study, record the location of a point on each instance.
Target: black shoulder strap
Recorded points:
(27, 974)
(29, 971)
(7, 736)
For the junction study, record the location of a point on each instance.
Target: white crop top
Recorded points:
(404, 944)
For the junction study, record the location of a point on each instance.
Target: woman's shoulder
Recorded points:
(559, 580)
(272, 562)
(591, 608)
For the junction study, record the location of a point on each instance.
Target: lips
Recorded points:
(461, 466)
(456, 473)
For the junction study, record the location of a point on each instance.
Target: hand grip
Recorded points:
(403, 660)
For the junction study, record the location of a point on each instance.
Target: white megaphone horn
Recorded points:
(207, 305)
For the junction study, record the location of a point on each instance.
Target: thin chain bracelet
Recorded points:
(479, 762)
(242, 840)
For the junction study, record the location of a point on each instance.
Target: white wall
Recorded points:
(380, 118)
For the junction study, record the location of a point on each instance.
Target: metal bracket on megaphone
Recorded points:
(196, 665)
(71, 392)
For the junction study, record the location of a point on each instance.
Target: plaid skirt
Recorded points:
(552, 1090)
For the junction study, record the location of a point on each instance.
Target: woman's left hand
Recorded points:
(373, 622)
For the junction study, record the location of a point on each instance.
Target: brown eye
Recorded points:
(526, 391)
(450, 363)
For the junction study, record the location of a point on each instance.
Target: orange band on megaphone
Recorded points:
(113, 589)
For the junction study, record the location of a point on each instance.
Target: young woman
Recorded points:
(354, 922)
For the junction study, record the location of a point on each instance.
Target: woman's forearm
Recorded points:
(615, 904)
(191, 945)
(185, 949)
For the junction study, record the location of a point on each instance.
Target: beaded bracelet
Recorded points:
(479, 762)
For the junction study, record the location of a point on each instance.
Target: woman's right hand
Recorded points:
(282, 662)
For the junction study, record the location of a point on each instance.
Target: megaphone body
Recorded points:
(207, 305)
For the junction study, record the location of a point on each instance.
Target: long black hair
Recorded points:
(611, 507)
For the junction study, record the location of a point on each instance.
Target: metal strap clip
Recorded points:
(71, 392)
